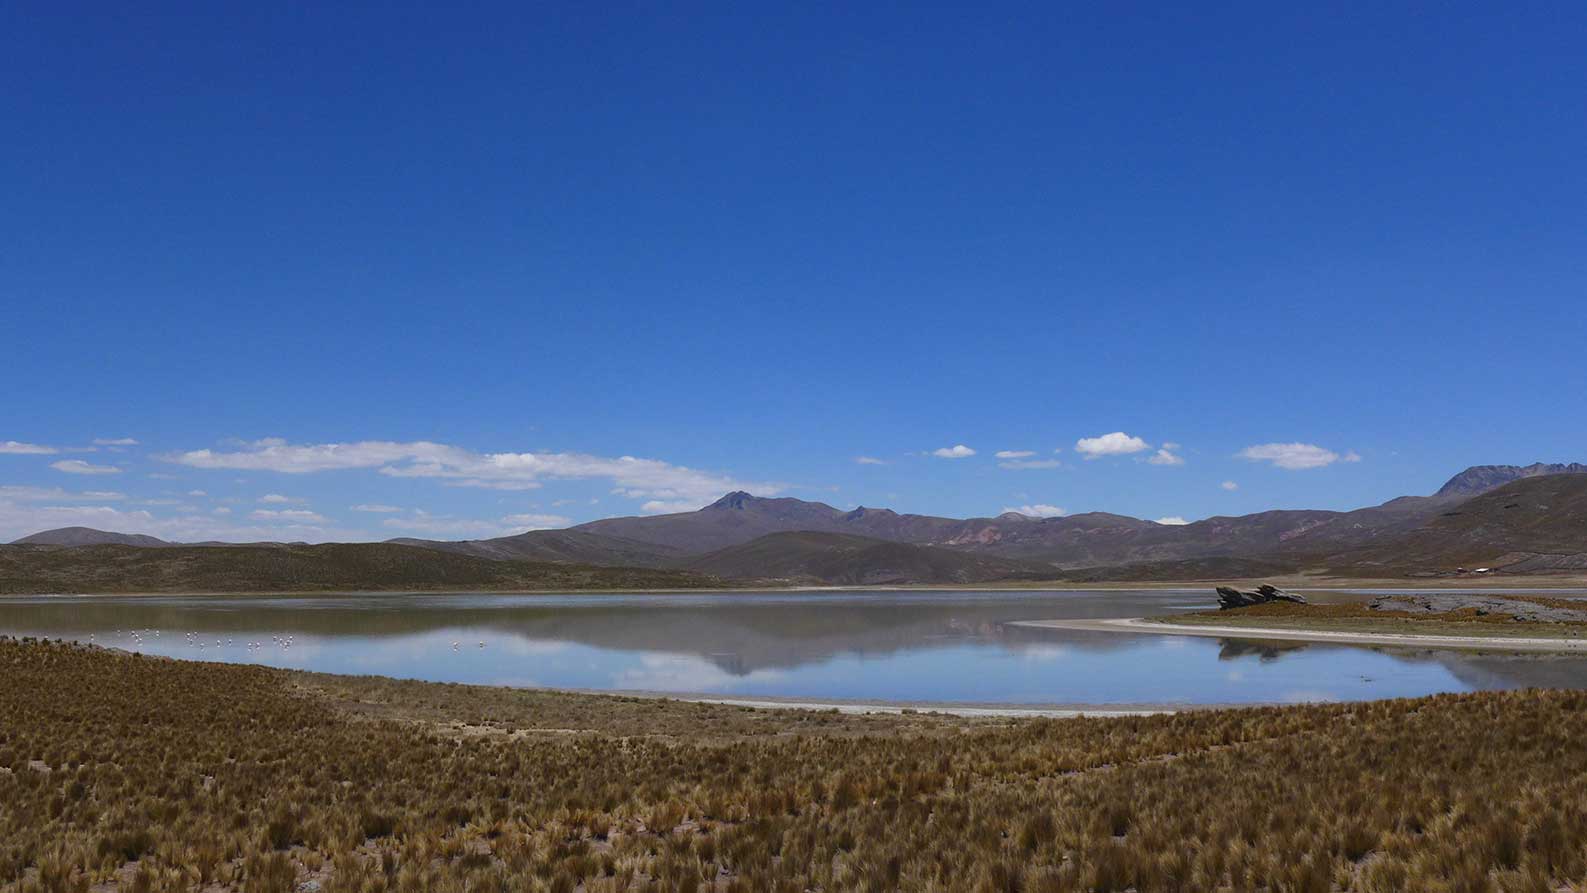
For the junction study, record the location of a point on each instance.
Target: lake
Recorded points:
(932, 646)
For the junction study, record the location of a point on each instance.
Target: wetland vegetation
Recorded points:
(1447, 614)
(155, 774)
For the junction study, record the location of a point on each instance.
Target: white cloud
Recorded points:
(56, 494)
(372, 507)
(197, 493)
(1294, 456)
(667, 507)
(19, 518)
(78, 466)
(278, 499)
(869, 460)
(1172, 521)
(1231, 486)
(495, 485)
(1351, 456)
(1039, 510)
(1165, 457)
(117, 441)
(959, 451)
(638, 478)
(17, 448)
(536, 522)
(1014, 454)
(296, 516)
(1025, 464)
(221, 511)
(1116, 444)
(442, 525)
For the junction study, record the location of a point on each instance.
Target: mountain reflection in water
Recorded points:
(947, 646)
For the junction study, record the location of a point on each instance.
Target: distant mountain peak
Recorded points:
(734, 500)
(1479, 479)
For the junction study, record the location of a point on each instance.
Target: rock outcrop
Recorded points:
(1229, 597)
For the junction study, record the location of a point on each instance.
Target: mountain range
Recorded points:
(1530, 518)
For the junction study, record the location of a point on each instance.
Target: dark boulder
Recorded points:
(1229, 597)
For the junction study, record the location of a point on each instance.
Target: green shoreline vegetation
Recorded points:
(1357, 617)
(155, 774)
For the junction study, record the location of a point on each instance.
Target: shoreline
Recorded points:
(1529, 584)
(1147, 626)
(885, 706)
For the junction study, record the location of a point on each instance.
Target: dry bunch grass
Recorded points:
(164, 775)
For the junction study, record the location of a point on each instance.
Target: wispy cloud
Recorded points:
(17, 448)
(536, 522)
(1165, 456)
(298, 516)
(278, 499)
(668, 506)
(372, 507)
(1039, 510)
(1014, 454)
(1231, 486)
(78, 466)
(1295, 456)
(443, 525)
(115, 441)
(56, 494)
(959, 451)
(1115, 444)
(869, 460)
(1172, 521)
(648, 479)
(1028, 464)
(20, 518)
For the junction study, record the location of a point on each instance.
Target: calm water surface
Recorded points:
(898, 646)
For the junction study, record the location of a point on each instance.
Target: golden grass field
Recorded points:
(151, 774)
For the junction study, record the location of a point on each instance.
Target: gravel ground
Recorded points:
(1523, 609)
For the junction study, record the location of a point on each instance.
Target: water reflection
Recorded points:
(1265, 650)
(909, 646)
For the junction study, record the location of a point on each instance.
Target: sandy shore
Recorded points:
(1168, 628)
(1054, 712)
(882, 705)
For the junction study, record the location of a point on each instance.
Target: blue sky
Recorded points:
(749, 246)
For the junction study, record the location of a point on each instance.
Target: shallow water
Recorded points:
(867, 646)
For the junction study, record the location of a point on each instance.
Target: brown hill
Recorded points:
(1531, 525)
(304, 568)
(88, 536)
(575, 546)
(845, 559)
(1480, 479)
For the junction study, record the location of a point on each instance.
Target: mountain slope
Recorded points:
(1479, 479)
(575, 546)
(1085, 541)
(736, 518)
(303, 568)
(1533, 524)
(88, 536)
(845, 559)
